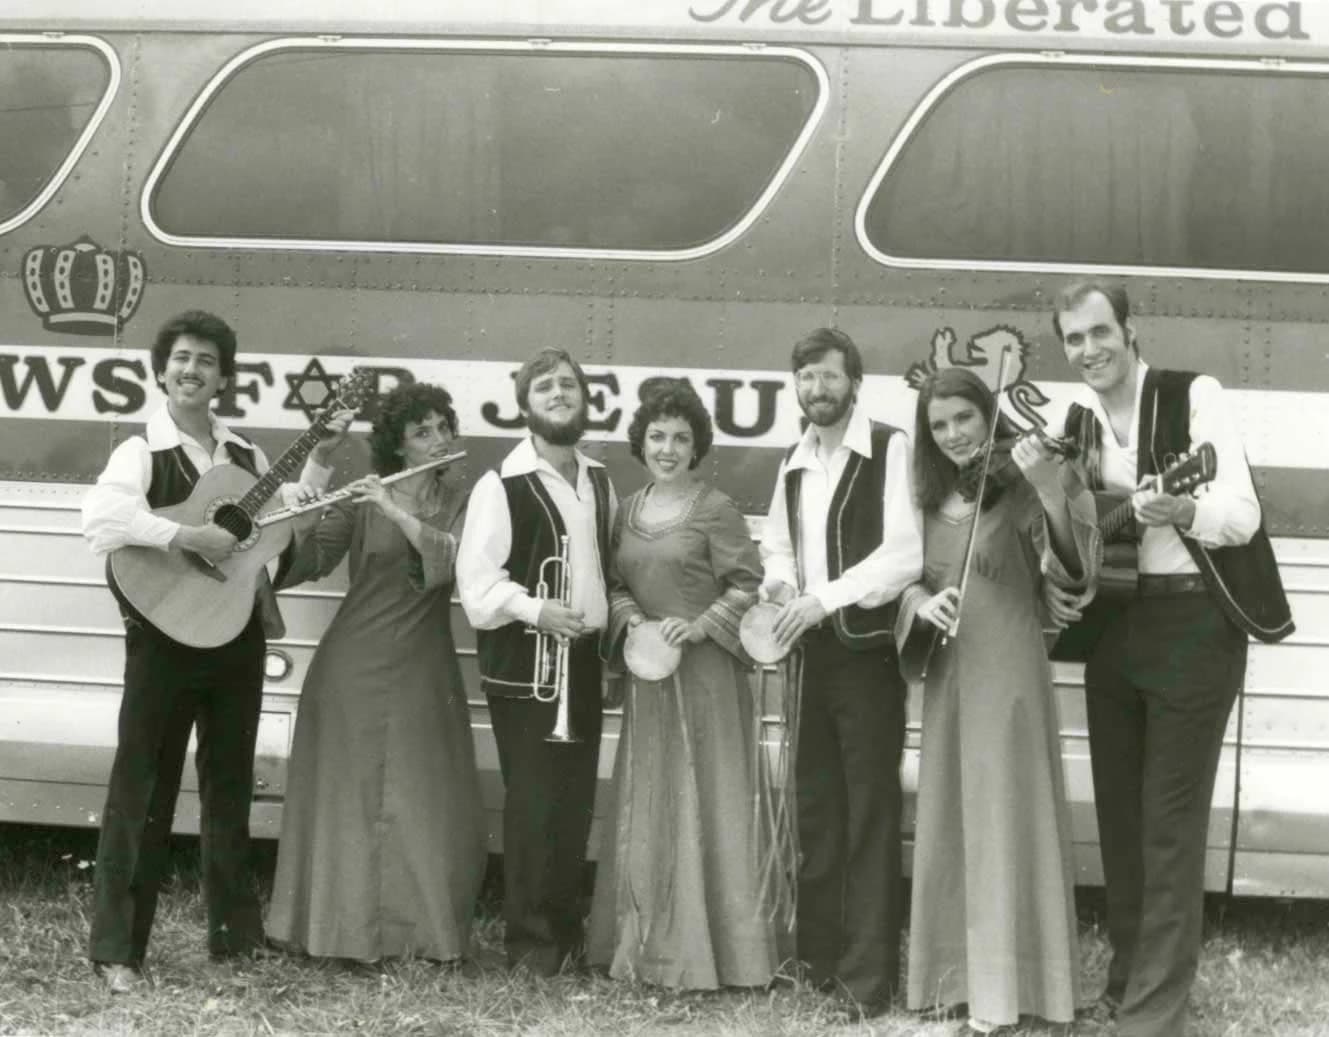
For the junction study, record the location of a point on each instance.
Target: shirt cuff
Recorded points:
(834, 595)
(152, 530)
(524, 608)
(1207, 523)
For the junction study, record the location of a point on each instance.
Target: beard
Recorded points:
(830, 409)
(566, 433)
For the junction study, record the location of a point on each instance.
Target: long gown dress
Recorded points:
(382, 845)
(679, 898)
(993, 912)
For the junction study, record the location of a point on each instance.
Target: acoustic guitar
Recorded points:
(189, 599)
(1119, 576)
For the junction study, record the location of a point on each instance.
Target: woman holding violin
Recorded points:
(679, 900)
(993, 916)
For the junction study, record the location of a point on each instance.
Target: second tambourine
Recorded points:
(756, 632)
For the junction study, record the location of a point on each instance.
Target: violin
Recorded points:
(1002, 471)
(993, 470)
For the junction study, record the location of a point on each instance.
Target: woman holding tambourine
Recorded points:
(678, 898)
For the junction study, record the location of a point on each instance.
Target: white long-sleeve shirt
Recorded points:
(115, 510)
(489, 594)
(888, 569)
(1227, 512)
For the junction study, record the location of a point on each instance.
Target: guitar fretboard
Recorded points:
(285, 467)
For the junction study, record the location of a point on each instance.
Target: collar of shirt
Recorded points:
(857, 437)
(524, 459)
(162, 433)
(1092, 400)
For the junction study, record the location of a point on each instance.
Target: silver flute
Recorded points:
(292, 510)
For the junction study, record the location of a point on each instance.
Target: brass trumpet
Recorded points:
(552, 653)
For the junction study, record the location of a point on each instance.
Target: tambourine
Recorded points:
(647, 654)
(756, 633)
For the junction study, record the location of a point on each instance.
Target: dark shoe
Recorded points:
(118, 978)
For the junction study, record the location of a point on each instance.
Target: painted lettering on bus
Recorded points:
(107, 377)
(1220, 19)
(604, 414)
(37, 372)
(778, 12)
(726, 392)
(240, 384)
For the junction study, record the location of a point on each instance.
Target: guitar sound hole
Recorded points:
(234, 520)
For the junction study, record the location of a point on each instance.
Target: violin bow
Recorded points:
(978, 500)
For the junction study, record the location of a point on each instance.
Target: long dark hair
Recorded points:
(935, 474)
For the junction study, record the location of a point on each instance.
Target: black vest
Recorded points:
(854, 529)
(507, 654)
(1243, 580)
(174, 475)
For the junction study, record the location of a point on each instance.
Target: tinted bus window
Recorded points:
(594, 151)
(47, 97)
(1183, 168)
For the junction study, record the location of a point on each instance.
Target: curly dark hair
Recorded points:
(935, 474)
(671, 398)
(396, 410)
(201, 325)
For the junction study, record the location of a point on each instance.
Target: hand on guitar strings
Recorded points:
(208, 541)
(1153, 508)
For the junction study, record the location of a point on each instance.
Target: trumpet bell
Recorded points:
(648, 655)
(756, 633)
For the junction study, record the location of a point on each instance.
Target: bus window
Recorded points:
(594, 150)
(48, 96)
(1089, 163)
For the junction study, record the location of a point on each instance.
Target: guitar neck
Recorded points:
(284, 468)
(1116, 520)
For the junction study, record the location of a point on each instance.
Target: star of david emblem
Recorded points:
(304, 394)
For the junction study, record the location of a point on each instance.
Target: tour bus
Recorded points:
(435, 190)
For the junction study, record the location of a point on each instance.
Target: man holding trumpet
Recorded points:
(841, 542)
(536, 526)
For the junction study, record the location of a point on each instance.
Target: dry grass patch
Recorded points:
(1265, 971)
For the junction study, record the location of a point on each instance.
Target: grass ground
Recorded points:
(1265, 971)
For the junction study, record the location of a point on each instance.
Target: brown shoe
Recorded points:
(118, 978)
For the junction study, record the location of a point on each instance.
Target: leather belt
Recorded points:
(1157, 585)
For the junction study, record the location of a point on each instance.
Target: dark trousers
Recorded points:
(547, 810)
(170, 688)
(1159, 686)
(850, 740)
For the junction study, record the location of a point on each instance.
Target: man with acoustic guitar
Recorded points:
(1164, 667)
(170, 686)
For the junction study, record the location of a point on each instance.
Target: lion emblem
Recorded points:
(982, 354)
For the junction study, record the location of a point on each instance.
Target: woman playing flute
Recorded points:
(382, 846)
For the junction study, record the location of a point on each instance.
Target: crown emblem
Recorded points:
(83, 288)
